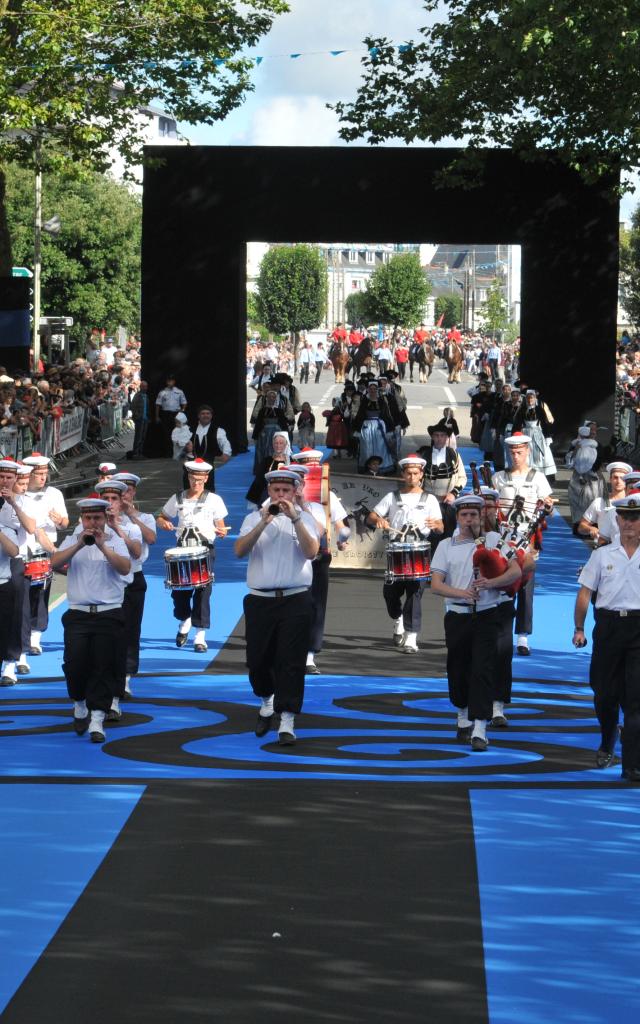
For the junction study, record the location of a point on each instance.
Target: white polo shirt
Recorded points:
(410, 510)
(49, 499)
(509, 485)
(614, 576)
(147, 520)
(453, 561)
(90, 578)
(276, 561)
(5, 561)
(201, 517)
(608, 525)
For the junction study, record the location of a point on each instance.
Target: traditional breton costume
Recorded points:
(406, 514)
(208, 442)
(373, 423)
(196, 527)
(585, 485)
(444, 473)
(278, 614)
(271, 412)
(532, 419)
(49, 499)
(94, 627)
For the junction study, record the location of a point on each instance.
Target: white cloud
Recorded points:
(291, 121)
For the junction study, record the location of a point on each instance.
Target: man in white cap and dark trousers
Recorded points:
(135, 591)
(613, 575)
(471, 618)
(600, 521)
(17, 514)
(280, 541)
(200, 514)
(8, 552)
(521, 481)
(335, 518)
(412, 512)
(51, 516)
(98, 567)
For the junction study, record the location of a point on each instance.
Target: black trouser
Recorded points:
(412, 363)
(503, 681)
(472, 641)
(139, 435)
(318, 371)
(614, 676)
(412, 590)
(133, 607)
(524, 605)
(20, 626)
(193, 604)
(304, 373)
(167, 422)
(93, 656)
(39, 607)
(319, 594)
(6, 610)
(383, 365)
(493, 367)
(278, 632)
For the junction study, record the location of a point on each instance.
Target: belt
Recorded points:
(468, 608)
(93, 609)
(621, 613)
(278, 593)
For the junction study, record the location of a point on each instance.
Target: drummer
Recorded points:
(411, 514)
(200, 514)
(106, 471)
(51, 515)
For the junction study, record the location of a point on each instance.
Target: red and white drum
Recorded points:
(37, 569)
(187, 568)
(408, 560)
(316, 484)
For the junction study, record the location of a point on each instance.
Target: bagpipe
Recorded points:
(481, 478)
(514, 542)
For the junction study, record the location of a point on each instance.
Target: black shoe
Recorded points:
(200, 648)
(96, 737)
(23, 670)
(478, 743)
(286, 739)
(523, 651)
(312, 670)
(263, 725)
(35, 651)
(113, 715)
(631, 774)
(181, 639)
(7, 681)
(499, 722)
(398, 639)
(463, 733)
(81, 725)
(604, 758)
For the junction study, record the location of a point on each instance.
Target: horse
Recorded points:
(425, 360)
(362, 356)
(339, 359)
(454, 359)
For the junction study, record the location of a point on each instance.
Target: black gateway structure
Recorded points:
(203, 204)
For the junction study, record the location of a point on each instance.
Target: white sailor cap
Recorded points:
(107, 467)
(299, 468)
(288, 476)
(307, 453)
(36, 459)
(198, 466)
(621, 467)
(9, 464)
(127, 478)
(92, 503)
(631, 477)
(24, 470)
(469, 501)
(111, 485)
(181, 418)
(631, 503)
(517, 439)
(412, 460)
(489, 492)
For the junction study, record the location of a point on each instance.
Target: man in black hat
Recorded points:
(444, 474)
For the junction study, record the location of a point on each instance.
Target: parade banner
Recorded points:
(360, 494)
(69, 429)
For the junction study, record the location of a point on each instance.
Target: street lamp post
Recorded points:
(37, 259)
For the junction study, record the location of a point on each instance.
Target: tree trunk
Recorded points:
(296, 345)
(6, 258)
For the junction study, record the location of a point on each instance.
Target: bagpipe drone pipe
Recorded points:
(493, 562)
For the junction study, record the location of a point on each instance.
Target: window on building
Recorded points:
(353, 256)
(167, 127)
(371, 256)
(356, 284)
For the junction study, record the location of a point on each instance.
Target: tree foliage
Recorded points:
(75, 73)
(357, 308)
(91, 269)
(449, 307)
(528, 75)
(292, 289)
(630, 269)
(398, 291)
(493, 313)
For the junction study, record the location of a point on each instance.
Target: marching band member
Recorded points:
(503, 675)
(337, 517)
(200, 514)
(595, 513)
(98, 566)
(531, 485)
(471, 619)
(51, 515)
(134, 594)
(412, 508)
(106, 471)
(608, 520)
(278, 609)
(18, 515)
(8, 551)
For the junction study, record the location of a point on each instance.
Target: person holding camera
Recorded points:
(200, 514)
(99, 567)
(280, 540)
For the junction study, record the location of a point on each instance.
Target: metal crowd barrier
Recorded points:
(67, 435)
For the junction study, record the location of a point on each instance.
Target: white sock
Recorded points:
(80, 709)
(97, 721)
(127, 684)
(480, 728)
(310, 660)
(185, 626)
(9, 669)
(523, 641)
(411, 640)
(498, 708)
(266, 706)
(22, 660)
(463, 718)
(287, 719)
(115, 703)
(398, 626)
(35, 637)
(199, 637)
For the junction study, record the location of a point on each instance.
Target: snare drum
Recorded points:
(187, 568)
(408, 560)
(37, 569)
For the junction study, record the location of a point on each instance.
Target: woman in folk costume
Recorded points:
(306, 427)
(585, 484)
(449, 423)
(372, 423)
(271, 413)
(337, 430)
(532, 419)
(278, 457)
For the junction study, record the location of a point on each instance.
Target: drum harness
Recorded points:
(190, 537)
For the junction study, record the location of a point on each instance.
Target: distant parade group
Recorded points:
(475, 542)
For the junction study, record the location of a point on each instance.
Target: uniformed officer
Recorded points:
(98, 568)
(471, 618)
(170, 401)
(408, 508)
(51, 515)
(280, 541)
(613, 574)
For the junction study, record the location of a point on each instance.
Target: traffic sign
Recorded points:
(21, 272)
(56, 321)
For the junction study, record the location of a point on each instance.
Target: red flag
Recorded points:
(439, 323)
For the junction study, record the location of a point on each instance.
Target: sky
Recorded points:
(289, 104)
